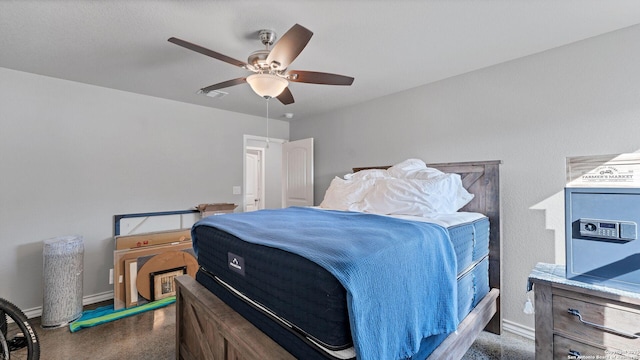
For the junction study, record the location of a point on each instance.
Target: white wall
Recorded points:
(531, 113)
(73, 155)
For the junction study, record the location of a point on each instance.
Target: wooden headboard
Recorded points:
(483, 181)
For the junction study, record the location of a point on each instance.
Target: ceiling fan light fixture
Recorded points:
(267, 85)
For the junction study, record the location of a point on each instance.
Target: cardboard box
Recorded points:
(216, 209)
(152, 239)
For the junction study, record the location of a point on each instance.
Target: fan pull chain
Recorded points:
(267, 122)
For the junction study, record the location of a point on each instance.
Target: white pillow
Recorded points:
(413, 169)
(409, 166)
(443, 194)
(423, 174)
(342, 194)
(368, 174)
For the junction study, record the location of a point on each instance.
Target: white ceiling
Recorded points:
(388, 46)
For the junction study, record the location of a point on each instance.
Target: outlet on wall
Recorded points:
(237, 190)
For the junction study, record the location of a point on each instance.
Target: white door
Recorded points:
(297, 173)
(253, 187)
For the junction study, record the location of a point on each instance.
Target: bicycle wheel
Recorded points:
(4, 348)
(21, 338)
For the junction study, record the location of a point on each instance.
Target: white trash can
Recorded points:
(63, 267)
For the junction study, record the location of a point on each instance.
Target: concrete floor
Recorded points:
(151, 335)
(506, 346)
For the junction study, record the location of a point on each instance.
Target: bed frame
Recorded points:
(207, 328)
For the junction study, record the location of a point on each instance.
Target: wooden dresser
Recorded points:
(575, 320)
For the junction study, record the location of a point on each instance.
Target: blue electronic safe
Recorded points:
(602, 236)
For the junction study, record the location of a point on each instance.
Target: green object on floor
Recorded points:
(106, 314)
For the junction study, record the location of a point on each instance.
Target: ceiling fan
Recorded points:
(270, 76)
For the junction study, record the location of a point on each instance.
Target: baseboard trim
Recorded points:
(518, 329)
(86, 300)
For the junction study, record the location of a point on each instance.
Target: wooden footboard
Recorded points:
(458, 342)
(207, 329)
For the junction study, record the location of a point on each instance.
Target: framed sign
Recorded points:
(162, 284)
(617, 170)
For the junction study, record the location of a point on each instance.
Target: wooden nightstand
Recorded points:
(575, 320)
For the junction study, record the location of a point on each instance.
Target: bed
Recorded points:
(210, 324)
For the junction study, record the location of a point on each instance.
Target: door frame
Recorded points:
(265, 166)
(261, 177)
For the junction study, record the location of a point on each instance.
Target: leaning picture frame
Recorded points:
(162, 282)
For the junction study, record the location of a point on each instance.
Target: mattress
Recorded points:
(301, 305)
(469, 233)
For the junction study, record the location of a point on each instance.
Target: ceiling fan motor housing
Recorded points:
(268, 37)
(259, 58)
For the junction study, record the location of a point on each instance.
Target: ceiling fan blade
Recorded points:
(224, 84)
(314, 77)
(207, 52)
(285, 97)
(289, 47)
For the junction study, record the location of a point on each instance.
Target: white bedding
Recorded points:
(444, 220)
(441, 194)
(407, 188)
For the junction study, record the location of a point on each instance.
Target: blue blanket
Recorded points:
(400, 276)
